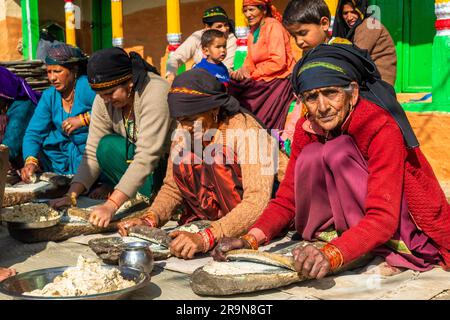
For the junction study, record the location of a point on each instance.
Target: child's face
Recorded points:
(309, 35)
(217, 51)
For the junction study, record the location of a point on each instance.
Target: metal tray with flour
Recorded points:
(30, 216)
(29, 281)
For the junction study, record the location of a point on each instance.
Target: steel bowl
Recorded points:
(29, 281)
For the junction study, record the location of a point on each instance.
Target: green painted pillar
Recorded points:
(441, 64)
(30, 28)
(441, 57)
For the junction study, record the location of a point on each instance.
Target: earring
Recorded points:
(216, 118)
(131, 90)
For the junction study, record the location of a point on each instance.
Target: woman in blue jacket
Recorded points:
(56, 135)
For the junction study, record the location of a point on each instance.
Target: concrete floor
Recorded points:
(165, 284)
(169, 285)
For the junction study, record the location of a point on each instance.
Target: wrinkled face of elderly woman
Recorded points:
(120, 96)
(329, 106)
(350, 14)
(254, 15)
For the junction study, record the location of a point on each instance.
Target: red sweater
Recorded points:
(393, 169)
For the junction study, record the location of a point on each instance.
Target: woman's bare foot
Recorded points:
(102, 192)
(6, 273)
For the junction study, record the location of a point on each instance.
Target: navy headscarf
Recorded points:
(110, 67)
(339, 65)
(340, 27)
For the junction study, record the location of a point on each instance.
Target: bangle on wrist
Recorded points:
(81, 118)
(32, 160)
(150, 219)
(73, 198)
(84, 118)
(208, 239)
(87, 118)
(114, 203)
(250, 239)
(147, 220)
(334, 256)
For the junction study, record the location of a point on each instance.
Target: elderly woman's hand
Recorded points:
(225, 245)
(101, 215)
(71, 124)
(127, 224)
(28, 171)
(311, 262)
(185, 244)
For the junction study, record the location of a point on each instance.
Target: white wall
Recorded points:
(10, 8)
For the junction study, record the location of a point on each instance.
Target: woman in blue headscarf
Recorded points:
(56, 136)
(17, 104)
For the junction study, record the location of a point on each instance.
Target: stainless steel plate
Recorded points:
(29, 281)
(14, 224)
(34, 225)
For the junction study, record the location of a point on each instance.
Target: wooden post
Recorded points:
(4, 166)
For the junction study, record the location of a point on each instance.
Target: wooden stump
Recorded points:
(4, 166)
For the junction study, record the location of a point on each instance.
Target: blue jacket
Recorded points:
(219, 71)
(45, 138)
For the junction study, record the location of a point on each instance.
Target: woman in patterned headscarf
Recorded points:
(230, 193)
(261, 85)
(56, 136)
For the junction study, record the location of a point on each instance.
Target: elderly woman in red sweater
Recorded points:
(356, 173)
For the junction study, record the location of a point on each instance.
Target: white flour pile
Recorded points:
(88, 277)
